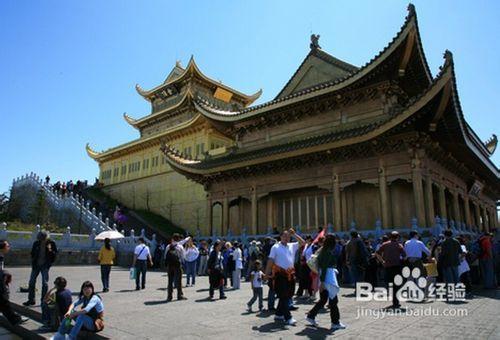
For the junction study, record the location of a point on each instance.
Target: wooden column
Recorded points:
(418, 192)
(270, 212)
(225, 215)
(442, 201)
(477, 212)
(430, 201)
(308, 217)
(299, 204)
(254, 211)
(291, 212)
(456, 207)
(468, 219)
(345, 222)
(325, 213)
(337, 212)
(209, 216)
(384, 197)
(316, 212)
(485, 219)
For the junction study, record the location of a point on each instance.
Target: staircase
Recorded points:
(136, 220)
(69, 203)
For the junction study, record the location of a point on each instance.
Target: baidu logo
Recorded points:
(411, 286)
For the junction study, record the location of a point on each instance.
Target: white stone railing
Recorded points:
(70, 241)
(69, 202)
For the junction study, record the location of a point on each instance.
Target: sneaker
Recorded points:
(223, 297)
(29, 303)
(292, 308)
(279, 318)
(22, 320)
(291, 322)
(336, 326)
(311, 321)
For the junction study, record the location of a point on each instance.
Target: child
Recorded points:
(256, 278)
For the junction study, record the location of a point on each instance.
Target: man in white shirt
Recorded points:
(415, 249)
(280, 268)
(141, 257)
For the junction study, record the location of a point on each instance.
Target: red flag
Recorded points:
(321, 234)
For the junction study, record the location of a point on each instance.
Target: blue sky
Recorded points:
(68, 68)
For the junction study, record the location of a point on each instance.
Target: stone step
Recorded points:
(35, 322)
(26, 330)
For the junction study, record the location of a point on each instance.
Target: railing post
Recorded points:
(3, 231)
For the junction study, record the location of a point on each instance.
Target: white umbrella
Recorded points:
(111, 234)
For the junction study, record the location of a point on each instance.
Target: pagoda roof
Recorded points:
(144, 142)
(186, 99)
(407, 38)
(178, 75)
(451, 112)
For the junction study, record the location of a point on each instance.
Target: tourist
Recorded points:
(238, 265)
(43, 255)
(280, 269)
(5, 280)
(140, 262)
(106, 260)
(174, 259)
(191, 254)
(391, 254)
(304, 272)
(203, 258)
(89, 315)
(229, 265)
(464, 268)
(449, 258)
(329, 287)
(57, 302)
(215, 267)
(356, 258)
(415, 250)
(256, 278)
(47, 180)
(486, 261)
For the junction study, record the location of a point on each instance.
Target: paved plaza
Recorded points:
(146, 315)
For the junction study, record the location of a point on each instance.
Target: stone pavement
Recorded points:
(146, 315)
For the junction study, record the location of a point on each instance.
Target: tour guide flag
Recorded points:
(321, 234)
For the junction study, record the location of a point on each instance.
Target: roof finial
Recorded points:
(411, 9)
(178, 63)
(314, 45)
(448, 57)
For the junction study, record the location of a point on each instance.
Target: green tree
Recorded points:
(40, 210)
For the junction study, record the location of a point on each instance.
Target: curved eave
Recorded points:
(443, 78)
(477, 147)
(187, 98)
(192, 69)
(130, 120)
(92, 154)
(152, 139)
(321, 89)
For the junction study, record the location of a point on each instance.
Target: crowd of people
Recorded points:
(320, 264)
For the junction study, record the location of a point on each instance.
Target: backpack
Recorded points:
(172, 258)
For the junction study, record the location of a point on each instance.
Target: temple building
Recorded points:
(385, 144)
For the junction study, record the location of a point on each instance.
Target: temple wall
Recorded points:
(317, 124)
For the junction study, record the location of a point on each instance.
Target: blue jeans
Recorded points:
(105, 270)
(191, 271)
(271, 297)
(450, 274)
(356, 274)
(35, 270)
(81, 320)
(487, 273)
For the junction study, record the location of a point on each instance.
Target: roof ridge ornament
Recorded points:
(491, 144)
(411, 10)
(314, 45)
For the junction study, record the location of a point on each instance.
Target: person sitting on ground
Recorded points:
(5, 280)
(57, 301)
(89, 315)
